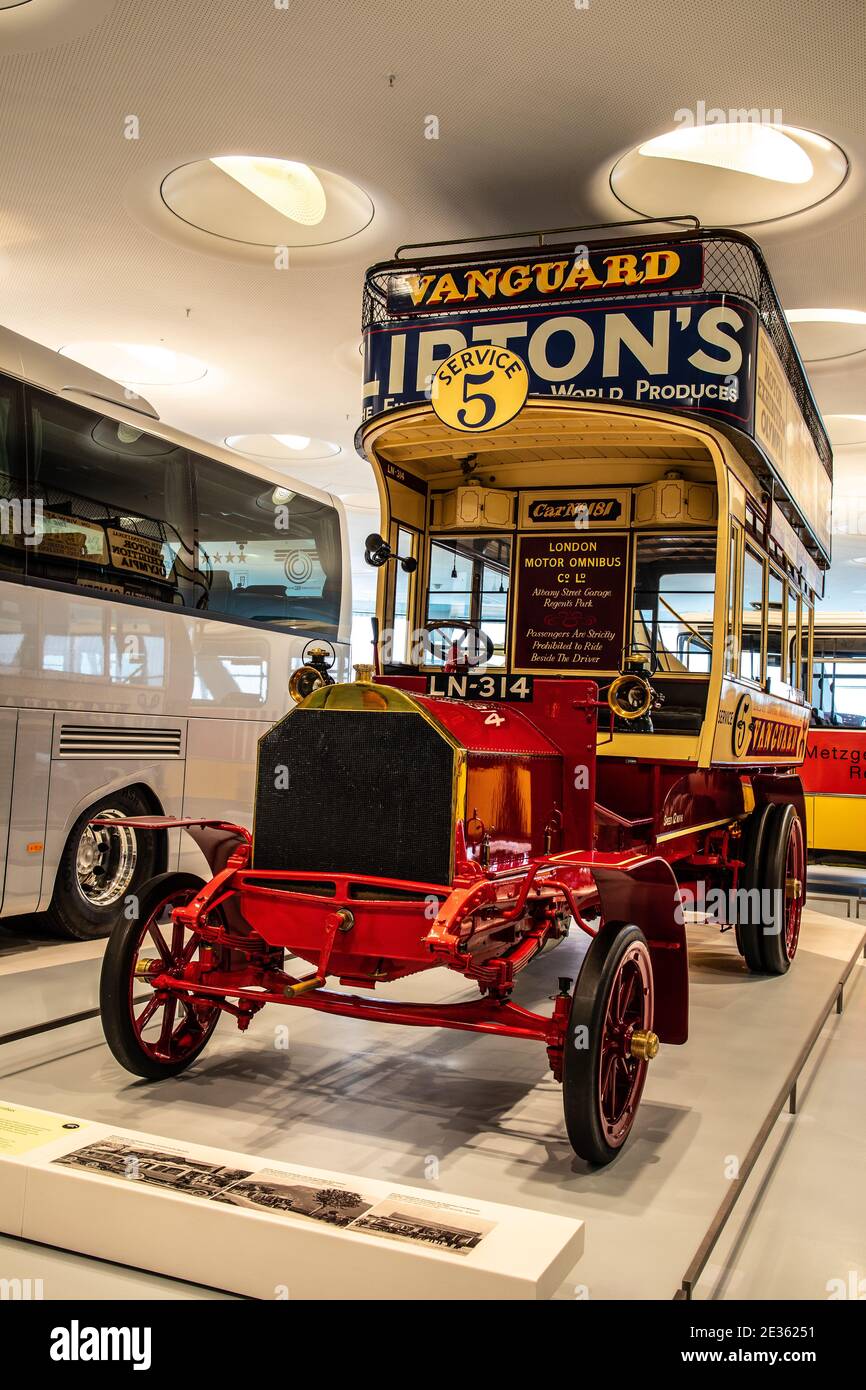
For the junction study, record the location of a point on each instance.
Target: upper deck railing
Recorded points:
(733, 264)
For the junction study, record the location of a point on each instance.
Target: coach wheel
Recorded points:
(102, 865)
(609, 1043)
(785, 876)
(153, 1033)
(771, 910)
(749, 926)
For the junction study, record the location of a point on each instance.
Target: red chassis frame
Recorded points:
(242, 915)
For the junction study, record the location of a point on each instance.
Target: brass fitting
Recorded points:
(644, 1045)
(363, 673)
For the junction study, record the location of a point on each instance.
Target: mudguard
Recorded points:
(647, 894)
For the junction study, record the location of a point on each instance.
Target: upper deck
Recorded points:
(686, 322)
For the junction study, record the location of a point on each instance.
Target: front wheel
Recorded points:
(161, 1034)
(609, 1042)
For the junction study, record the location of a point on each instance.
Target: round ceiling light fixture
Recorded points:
(825, 334)
(280, 450)
(259, 201)
(846, 429)
(763, 172)
(137, 364)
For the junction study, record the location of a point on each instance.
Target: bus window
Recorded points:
(404, 583)
(469, 581)
(116, 504)
(840, 680)
(806, 639)
(731, 649)
(269, 557)
(17, 518)
(775, 624)
(675, 580)
(752, 611)
(793, 668)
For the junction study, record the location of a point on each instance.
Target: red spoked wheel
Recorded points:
(159, 1035)
(609, 1043)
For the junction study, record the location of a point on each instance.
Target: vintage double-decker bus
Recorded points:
(605, 493)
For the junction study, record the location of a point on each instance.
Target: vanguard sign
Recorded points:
(547, 278)
(695, 354)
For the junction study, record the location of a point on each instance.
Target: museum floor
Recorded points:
(364, 1099)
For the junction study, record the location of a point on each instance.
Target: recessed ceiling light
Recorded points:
(293, 190)
(825, 316)
(263, 202)
(823, 334)
(760, 150)
(846, 429)
(281, 449)
(728, 173)
(137, 364)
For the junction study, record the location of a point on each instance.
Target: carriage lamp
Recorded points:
(377, 552)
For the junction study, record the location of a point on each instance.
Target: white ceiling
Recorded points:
(535, 104)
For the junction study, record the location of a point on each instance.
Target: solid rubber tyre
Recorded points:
(601, 1089)
(784, 867)
(119, 987)
(749, 925)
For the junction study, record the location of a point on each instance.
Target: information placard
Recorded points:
(570, 607)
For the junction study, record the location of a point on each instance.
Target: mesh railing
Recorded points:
(731, 266)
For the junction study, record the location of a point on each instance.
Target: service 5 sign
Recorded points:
(479, 389)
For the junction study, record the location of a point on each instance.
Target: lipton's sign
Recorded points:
(563, 277)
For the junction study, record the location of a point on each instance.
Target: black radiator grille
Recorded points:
(362, 793)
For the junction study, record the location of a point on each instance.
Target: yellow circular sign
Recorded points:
(479, 388)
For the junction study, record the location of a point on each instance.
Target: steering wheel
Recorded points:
(458, 625)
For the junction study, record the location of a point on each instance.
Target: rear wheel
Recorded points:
(101, 866)
(749, 925)
(160, 1034)
(771, 910)
(785, 875)
(609, 1042)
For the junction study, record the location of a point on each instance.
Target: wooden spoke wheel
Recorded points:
(609, 1043)
(774, 884)
(161, 1034)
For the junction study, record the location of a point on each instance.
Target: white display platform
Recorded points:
(43, 980)
(482, 1116)
(264, 1229)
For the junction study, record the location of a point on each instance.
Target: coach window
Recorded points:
(731, 645)
(752, 609)
(793, 669)
(469, 582)
(404, 592)
(17, 519)
(776, 610)
(807, 637)
(117, 512)
(266, 557)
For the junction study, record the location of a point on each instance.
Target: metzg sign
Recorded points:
(538, 281)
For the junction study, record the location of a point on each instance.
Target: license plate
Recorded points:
(480, 687)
